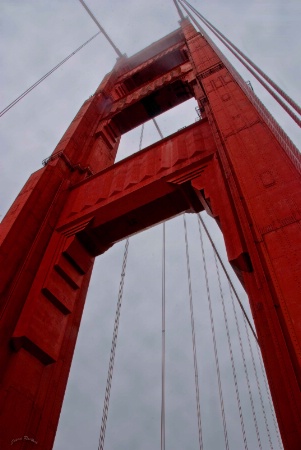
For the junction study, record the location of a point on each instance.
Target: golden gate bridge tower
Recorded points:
(235, 162)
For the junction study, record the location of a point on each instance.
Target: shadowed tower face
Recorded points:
(235, 163)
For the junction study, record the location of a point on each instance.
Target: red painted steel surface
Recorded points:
(229, 163)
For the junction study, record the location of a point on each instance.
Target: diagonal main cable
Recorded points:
(287, 144)
(101, 28)
(179, 10)
(27, 91)
(13, 103)
(280, 91)
(248, 64)
(116, 48)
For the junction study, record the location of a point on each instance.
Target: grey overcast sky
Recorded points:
(35, 36)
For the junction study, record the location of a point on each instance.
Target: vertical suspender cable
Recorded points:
(231, 354)
(113, 350)
(248, 327)
(214, 342)
(239, 334)
(245, 370)
(258, 385)
(163, 323)
(163, 345)
(227, 275)
(141, 137)
(269, 398)
(114, 340)
(158, 128)
(196, 373)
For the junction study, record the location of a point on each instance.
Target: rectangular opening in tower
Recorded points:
(169, 122)
(157, 102)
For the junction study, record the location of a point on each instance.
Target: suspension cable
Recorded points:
(13, 103)
(158, 129)
(114, 340)
(248, 327)
(282, 138)
(253, 72)
(179, 10)
(8, 107)
(228, 277)
(214, 341)
(283, 94)
(232, 361)
(163, 321)
(261, 81)
(115, 48)
(232, 289)
(113, 351)
(163, 343)
(141, 137)
(258, 385)
(196, 373)
(231, 353)
(252, 357)
(269, 399)
(101, 28)
(245, 368)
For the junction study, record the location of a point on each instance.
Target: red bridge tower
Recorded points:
(235, 162)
